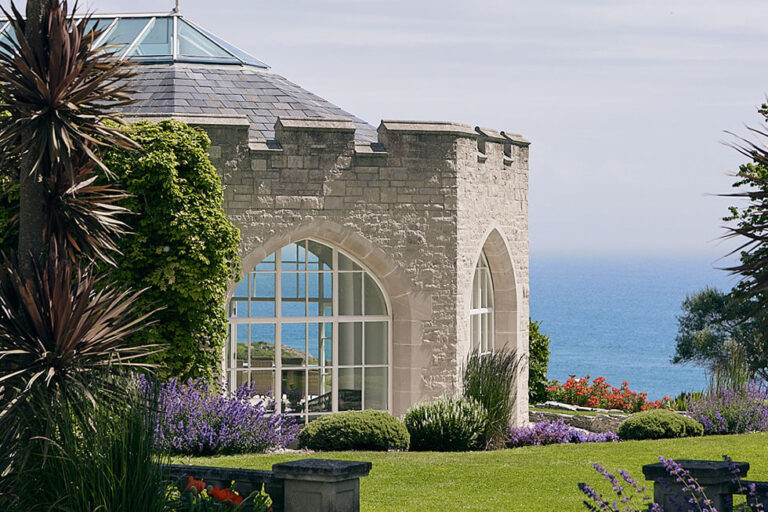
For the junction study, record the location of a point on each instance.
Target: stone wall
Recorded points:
(415, 208)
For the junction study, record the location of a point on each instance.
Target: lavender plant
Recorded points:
(554, 432)
(197, 420)
(732, 410)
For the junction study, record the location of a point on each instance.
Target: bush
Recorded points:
(602, 395)
(447, 424)
(732, 411)
(196, 420)
(490, 379)
(554, 432)
(183, 250)
(538, 361)
(659, 424)
(355, 430)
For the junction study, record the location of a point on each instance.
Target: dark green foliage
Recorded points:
(355, 430)
(447, 424)
(490, 380)
(659, 424)
(538, 361)
(107, 463)
(184, 248)
(710, 329)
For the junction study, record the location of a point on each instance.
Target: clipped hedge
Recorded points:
(659, 424)
(355, 430)
(447, 424)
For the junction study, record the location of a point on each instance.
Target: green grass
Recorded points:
(527, 479)
(577, 413)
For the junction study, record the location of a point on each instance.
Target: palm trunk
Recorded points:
(31, 198)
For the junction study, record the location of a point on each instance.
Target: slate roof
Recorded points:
(259, 94)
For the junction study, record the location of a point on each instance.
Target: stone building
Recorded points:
(374, 259)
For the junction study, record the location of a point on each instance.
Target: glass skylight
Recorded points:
(165, 37)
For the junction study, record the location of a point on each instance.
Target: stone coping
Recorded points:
(704, 471)
(315, 123)
(428, 127)
(193, 119)
(322, 469)
(265, 146)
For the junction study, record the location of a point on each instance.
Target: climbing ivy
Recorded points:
(183, 250)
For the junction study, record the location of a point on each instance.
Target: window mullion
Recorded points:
(278, 384)
(335, 329)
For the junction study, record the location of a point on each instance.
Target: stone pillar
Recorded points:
(714, 477)
(321, 485)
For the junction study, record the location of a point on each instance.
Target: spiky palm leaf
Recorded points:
(62, 333)
(59, 89)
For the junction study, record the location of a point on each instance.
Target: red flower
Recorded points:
(195, 485)
(226, 496)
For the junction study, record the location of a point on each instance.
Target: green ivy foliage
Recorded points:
(183, 250)
(538, 362)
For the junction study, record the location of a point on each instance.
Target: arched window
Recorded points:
(481, 308)
(328, 320)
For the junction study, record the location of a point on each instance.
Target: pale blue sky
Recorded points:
(625, 103)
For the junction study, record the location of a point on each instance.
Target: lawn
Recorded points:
(532, 479)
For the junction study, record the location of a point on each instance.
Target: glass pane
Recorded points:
(476, 290)
(488, 291)
(376, 388)
(242, 289)
(350, 344)
(475, 331)
(294, 389)
(238, 308)
(320, 340)
(262, 345)
(263, 294)
(320, 292)
(241, 378)
(350, 389)
(374, 299)
(241, 349)
(319, 398)
(267, 263)
(293, 288)
(347, 264)
(192, 43)
(100, 24)
(293, 256)
(350, 293)
(157, 40)
(126, 30)
(231, 49)
(376, 346)
(319, 256)
(487, 334)
(294, 341)
(264, 383)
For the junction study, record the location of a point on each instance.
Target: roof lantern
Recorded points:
(156, 38)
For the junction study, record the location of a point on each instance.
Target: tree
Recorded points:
(711, 327)
(183, 248)
(538, 361)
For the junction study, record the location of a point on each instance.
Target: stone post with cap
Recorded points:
(321, 485)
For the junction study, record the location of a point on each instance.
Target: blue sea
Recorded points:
(616, 318)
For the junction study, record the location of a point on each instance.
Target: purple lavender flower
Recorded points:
(554, 432)
(732, 411)
(195, 420)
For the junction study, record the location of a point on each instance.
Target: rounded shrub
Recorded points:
(355, 430)
(447, 424)
(659, 424)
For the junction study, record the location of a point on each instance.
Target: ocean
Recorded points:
(616, 318)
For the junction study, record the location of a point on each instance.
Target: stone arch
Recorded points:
(510, 328)
(410, 307)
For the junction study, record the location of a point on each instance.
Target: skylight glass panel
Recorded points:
(126, 31)
(9, 35)
(193, 43)
(98, 24)
(156, 41)
(237, 52)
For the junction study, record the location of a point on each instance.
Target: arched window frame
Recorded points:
(481, 315)
(335, 320)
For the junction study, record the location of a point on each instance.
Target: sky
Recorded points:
(627, 104)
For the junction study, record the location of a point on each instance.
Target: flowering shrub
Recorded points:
(201, 497)
(554, 432)
(691, 497)
(196, 420)
(732, 411)
(602, 395)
